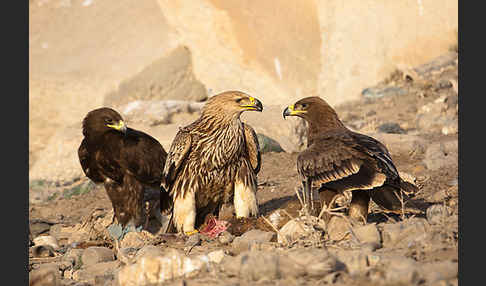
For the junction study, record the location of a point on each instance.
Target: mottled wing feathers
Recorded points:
(252, 147)
(143, 156)
(377, 150)
(178, 152)
(89, 169)
(328, 160)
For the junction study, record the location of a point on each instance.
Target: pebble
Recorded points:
(225, 237)
(216, 256)
(89, 273)
(404, 233)
(268, 144)
(156, 269)
(368, 234)
(391, 127)
(42, 251)
(254, 236)
(337, 228)
(46, 240)
(95, 254)
(439, 271)
(441, 154)
(299, 228)
(46, 274)
(437, 214)
(377, 92)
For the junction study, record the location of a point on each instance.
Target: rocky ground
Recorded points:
(413, 112)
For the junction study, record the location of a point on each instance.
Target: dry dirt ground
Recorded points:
(413, 112)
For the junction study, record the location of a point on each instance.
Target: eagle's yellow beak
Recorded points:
(255, 104)
(290, 111)
(120, 126)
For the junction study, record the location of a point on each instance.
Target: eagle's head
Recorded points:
(316, 111)
(101, 120)
(232, 103)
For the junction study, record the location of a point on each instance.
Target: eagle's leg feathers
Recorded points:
(358, 208)
(184, 214)
(245, 200)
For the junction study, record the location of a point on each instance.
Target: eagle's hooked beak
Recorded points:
(120, 126)
(255, 104)
(290, 111)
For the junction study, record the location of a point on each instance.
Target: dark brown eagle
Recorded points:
(338, 160)
(128, 162)
(214, 161)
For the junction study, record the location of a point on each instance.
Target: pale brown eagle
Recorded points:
(128, 162)
(214, 161)
(338, 159)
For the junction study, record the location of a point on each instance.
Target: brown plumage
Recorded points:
(214, 161)
(338, 160)
(128, 162)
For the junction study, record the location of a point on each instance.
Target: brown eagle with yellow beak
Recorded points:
(129, 163)
(338, 159)
(214, 161)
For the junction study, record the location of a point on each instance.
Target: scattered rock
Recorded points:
(401, 270)
(157, 269)
(149, 250)
(46, 275)
(39, 227)
(40, 251)
(441, 154)
(405, 233)
(95, 254)
(264, 265)
(437, 271)
(355, 261)
(437, 214)
(301, 228)
(132, 240)
(216, 256)
(391, 127)
(89, 273)
(338, 228)
(450, 127)
(225, 237)
(268, 144)
(367, 234)
(254, 236)
(377, 92)
(47, 240)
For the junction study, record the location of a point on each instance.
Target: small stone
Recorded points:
(95, 254)
(437, 214)
(253, 265)
(46, 274)
(40, 251)
(450, 127)
(404, 234)
(268, 144)
(47, 240)
(244, 242)
(225, 237)
(356, 261)
(317, 262)
(88, 273)
(437, 271)
(391, 127)
(374, 92)
(216, 256)
(132, 239)
(73, 257)
(338, 228)
(367, 234)
(441, 154)
(401, 271)
(150, 270)
(148, 250)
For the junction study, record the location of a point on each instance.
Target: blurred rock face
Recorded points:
(115, 52)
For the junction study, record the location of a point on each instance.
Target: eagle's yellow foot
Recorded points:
(189, 233)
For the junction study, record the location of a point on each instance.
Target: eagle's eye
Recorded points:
(304, 105)
(239, 100)
(109, 120)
